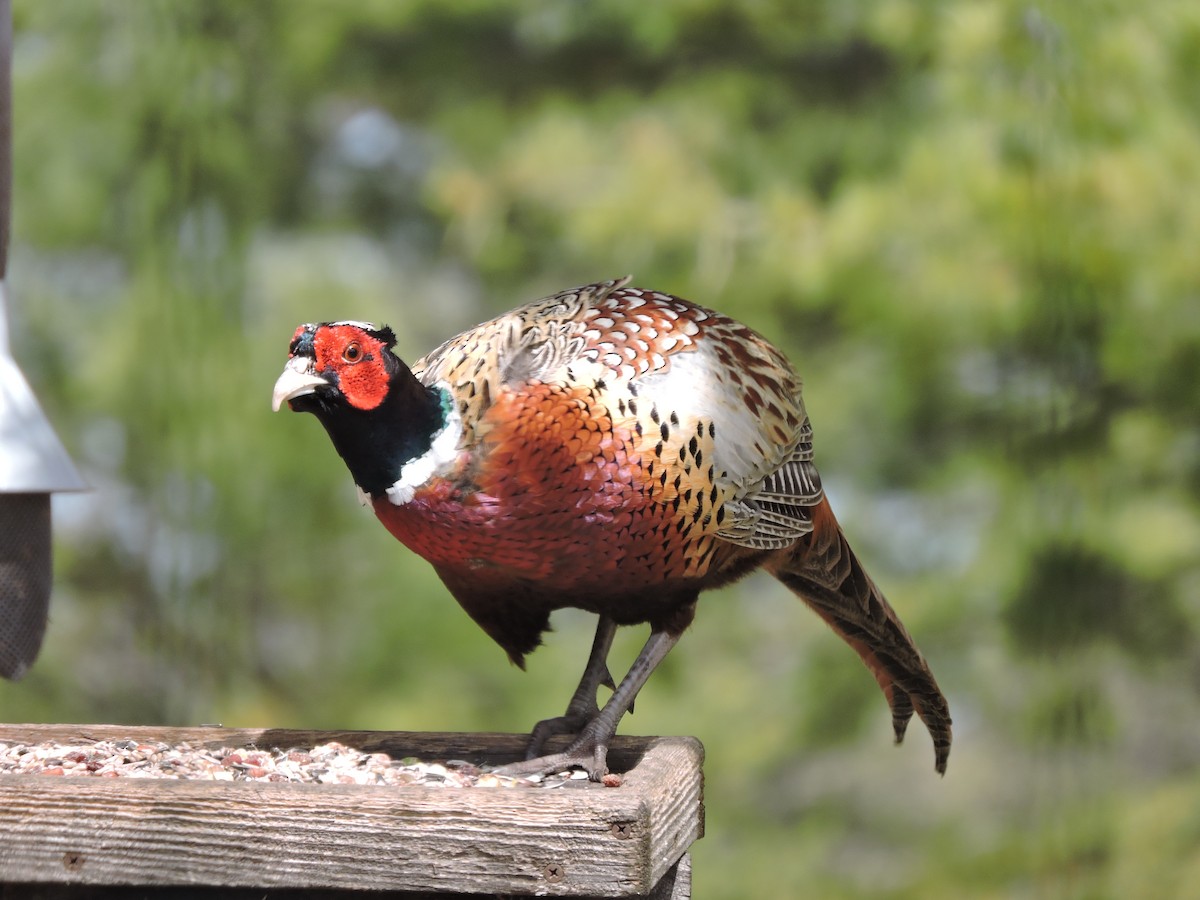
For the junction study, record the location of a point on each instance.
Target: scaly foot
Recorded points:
(589, 752)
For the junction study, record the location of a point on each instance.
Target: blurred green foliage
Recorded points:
(971, 225)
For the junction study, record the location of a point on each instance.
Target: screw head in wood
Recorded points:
(622, 831)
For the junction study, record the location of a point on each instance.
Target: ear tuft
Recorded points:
(384, 334)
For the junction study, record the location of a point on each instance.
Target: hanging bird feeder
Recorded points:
(33, 463)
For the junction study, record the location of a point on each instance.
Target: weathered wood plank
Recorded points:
(675, 885)
(581, 839)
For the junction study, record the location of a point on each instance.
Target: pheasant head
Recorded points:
(381, 419)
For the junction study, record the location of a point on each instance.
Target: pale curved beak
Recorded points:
(299, 378)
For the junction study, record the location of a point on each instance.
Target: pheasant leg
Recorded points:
(583, 707)
(589, 751)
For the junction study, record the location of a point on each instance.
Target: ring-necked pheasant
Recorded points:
(611, 449)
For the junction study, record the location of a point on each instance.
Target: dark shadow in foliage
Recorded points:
(481, 48)
(1073, 598)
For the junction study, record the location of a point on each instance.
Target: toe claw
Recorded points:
(572, 723)
(586, 752)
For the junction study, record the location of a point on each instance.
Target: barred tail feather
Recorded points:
(824, 572)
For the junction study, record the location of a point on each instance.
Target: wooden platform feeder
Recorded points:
(70, 837)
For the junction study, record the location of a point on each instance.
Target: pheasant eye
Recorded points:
(353, 352)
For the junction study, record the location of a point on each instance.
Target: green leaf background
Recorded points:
(971, 225)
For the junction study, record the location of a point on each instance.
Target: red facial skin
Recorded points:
(356, 358)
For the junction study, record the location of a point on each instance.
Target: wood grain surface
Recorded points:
(581, 839)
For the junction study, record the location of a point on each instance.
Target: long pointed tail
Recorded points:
(824, 572)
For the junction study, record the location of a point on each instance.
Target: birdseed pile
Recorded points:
(330, 763)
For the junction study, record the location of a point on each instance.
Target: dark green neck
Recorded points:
(376, 444)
